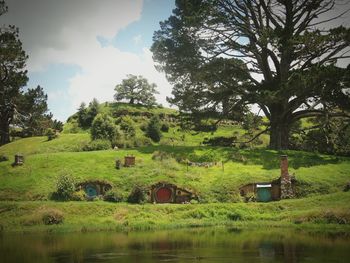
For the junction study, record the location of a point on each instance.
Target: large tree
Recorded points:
(136, 90)
(13, 76)
(281, 55)
(32, 112)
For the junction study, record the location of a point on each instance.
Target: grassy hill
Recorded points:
(25, 190)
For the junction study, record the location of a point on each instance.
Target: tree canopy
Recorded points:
(223, 55)
(13, 75)
(33, 116)
(136, 90)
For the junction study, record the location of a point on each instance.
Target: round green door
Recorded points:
(264, 194)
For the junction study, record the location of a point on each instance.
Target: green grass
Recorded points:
(99, 215)
(45, 161)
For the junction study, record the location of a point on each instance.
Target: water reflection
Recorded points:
(190, 245)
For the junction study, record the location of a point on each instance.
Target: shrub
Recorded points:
(71, 127)
(103, 127)
(78, 196)
(142, 141)
(113, 196)
(137, 196)
(143, 127)
(153, 129)
(234, 216)
(52, 216)
(220, 141)
(127, 125)
(51, 134)
(164, 127)
(97, 145)
(3, 158)
(65, 187)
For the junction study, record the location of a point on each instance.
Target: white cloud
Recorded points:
(106, 68)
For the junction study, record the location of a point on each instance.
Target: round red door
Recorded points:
(163, 195)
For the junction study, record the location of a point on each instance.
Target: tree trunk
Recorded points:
(279, 135)
(131, 101)
(4, 133)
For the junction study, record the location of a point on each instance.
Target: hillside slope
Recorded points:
(25, 191)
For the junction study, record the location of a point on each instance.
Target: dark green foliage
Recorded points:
(34, 119)
(13, 75)
(82, 116)
(234, 216)
(127, 125)
(153, 129)
(327, 136)
(136, 90)
(165, 127)
(138, 195)
(3, 158)
(142, 141)
(220, 141)
(251, 122)
(51, 134)
(91, 113)
(52, 216)
(205, 127)
(65, 187)
(103, 127)
(113, 195)
(97, 145)
(57, 125)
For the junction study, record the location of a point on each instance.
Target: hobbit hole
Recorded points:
(170, 193)
(281, 188)
(94, 188)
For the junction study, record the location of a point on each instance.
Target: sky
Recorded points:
(81, 49)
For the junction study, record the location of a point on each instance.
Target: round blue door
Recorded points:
(91, 190)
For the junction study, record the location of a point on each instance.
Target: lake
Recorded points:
(185, 245)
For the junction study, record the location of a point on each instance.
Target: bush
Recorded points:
(220, 141)
(3, 158)
(127, 125)
(138, 196)
(52, 216)
(153, 129)
(165, 127)
(103, 127)
(97, 145)
(142, 141)
(51, 134)
(113, 196)
(65, 187)
(78, 196)
(71, 127)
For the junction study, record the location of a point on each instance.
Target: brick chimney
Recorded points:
(284, 166)
(286, 183)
